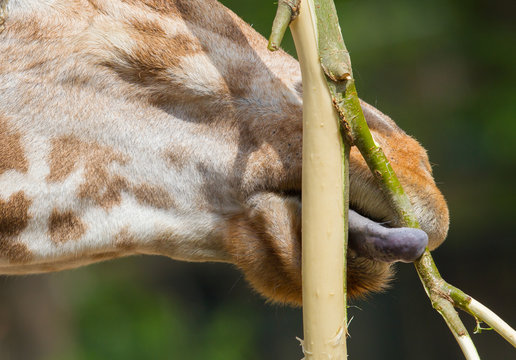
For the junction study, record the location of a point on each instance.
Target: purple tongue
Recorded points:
(374, 241)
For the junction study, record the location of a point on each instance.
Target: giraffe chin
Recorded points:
(265, 243)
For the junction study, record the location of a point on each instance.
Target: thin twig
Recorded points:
(287, 11)
(483, 313)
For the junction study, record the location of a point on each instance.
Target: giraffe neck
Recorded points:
(114, 134)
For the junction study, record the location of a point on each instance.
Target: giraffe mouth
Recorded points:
(375, 240)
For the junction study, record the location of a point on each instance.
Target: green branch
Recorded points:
(335, 59)
(345, 99)
(337, 67)
(286, 12)
(348, 107)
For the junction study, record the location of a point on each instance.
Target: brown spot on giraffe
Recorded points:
(29, 29)
(161, 6)
(100, 185)
(16, 252)
(211, 15)
(64, 157)
(147, 27)
(65, 226)
(226, 25)
(152, 58)
(12, 156)
(125, 241)
(14, 214)
(14, 217)
(177, 157)
(237, 79)
(154, 196)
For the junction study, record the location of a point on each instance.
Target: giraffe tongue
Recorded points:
(374, 241)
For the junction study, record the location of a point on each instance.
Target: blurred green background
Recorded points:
(445, 71)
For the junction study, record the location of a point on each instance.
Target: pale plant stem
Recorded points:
(490, 318)
(337, 67)
(467, 347)
(325, 159)
(463, 339)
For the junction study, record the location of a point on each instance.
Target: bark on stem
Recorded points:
(323, 225)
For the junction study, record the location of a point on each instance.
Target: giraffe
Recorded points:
(167, 128)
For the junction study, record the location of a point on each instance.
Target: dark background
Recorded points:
(445, 72)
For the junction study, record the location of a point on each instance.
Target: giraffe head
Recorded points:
(166, 127)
